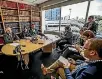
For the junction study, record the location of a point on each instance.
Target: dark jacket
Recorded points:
(67, 36)
(90, 71)
(93, 26)
(33, 32)
(25, 34)
(9, 38)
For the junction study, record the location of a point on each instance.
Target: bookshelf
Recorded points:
(1, 30)
(17, 16)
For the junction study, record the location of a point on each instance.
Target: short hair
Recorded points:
(33, 25)
(89, 34)
(96, 44)
(68, 27)
(91, 17)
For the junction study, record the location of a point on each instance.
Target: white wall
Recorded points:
(43, 20)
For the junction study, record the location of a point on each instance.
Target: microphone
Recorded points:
(20, 58)
(18, 49)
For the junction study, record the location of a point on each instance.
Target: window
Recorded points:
(75, 15)
(96, 10)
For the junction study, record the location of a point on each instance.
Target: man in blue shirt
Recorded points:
(92, 50)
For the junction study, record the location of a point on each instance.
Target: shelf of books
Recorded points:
(17, 16)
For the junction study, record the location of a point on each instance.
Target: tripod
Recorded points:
(20, 57)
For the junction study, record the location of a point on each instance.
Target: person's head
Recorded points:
(82, 30)
(87, 34)
(67, 28)
(93, 49)
(90, 18)
(32, 26)
(8, 30)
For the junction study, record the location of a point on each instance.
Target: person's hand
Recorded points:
(77, 47)
(73, 46)
(44, 70)
(66, 65)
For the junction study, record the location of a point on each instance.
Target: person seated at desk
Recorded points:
(10, 61)
(33, 31)
(25, 33)
(66, 38)
(9, 36)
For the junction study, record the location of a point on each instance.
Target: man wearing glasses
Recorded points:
(92, 51)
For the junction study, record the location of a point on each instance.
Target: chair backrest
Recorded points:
(1, 40)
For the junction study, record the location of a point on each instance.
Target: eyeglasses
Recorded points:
(84, 48)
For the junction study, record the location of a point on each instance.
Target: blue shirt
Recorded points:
(90, 71)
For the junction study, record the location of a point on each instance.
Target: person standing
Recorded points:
(91, 24)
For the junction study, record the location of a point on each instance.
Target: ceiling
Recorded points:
(48, 4)
(30, 1)
(59, 3)
(35, 1)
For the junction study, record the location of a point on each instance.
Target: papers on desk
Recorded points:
(52, 37)
(28, 38)
(14, 44)
(62, 60)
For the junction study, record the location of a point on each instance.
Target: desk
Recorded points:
(29, 46)
(51, 43)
